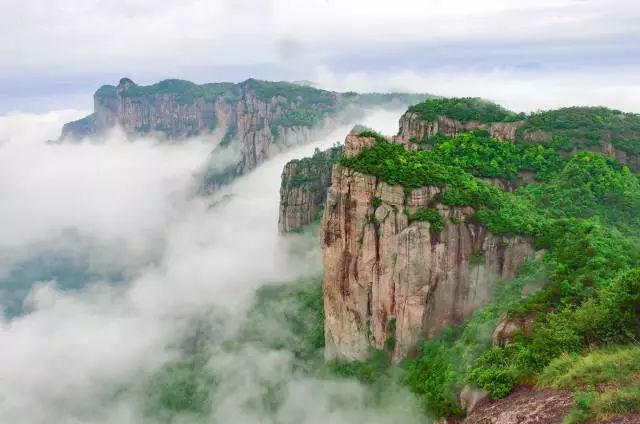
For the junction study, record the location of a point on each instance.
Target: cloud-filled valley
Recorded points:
(82, 351)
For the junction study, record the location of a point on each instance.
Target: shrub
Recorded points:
(431, 216)
(463, 109)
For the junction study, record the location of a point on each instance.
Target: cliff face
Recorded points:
(303, 188)
(179, 109)
(412, 126)
(413, 129)
(389, 282)
(254, 115)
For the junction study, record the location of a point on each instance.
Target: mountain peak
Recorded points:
(125, 83)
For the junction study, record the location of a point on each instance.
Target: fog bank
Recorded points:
(83, 353)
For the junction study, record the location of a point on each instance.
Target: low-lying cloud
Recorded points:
(82, 354)
(518, 89)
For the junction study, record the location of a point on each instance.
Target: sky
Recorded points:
(525, 54)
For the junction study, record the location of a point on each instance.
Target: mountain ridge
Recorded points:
(254, 116)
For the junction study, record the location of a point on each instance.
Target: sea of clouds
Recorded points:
(82, 354)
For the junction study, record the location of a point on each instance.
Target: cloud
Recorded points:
(529, 91)
(82, 355)
(60, 51)
(232, 32)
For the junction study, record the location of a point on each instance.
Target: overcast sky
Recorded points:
(527, 54)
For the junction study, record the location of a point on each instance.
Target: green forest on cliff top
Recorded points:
(583, 293)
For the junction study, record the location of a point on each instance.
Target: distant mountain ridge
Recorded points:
(256, 114)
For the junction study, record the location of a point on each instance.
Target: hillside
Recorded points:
(479, 263)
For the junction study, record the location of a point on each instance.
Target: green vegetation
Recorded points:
(604, 382)
(502, 212)
(477, 153)
(428, 215)
(368, 133)
(580, 299)
(463, 109)
(284, 316)
(376, 99)
(565, 129)
(443, 364)
(184, 92)
(583, 211)
(182, 387)
(106, 92)
(303, 95)
(289, 317)
(313, 173)
(303, 117)
(582, 127)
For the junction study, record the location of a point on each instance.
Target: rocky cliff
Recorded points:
(303, 188)
(605, 131)
(390, 280)
(413, 128)
(254, 115)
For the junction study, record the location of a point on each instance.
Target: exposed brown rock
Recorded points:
(303, 189)
(524, 406)
(470, 398)
(381, 270)
(244, 116)
(355, 143)
(412, 126)
(507, 328)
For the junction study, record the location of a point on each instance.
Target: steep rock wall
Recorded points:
(413, 126)
(389, 279)
(303, 188)
(245, 116)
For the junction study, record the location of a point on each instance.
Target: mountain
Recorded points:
(253, 117)
(303, 188)
(487, 255)
(400, 265)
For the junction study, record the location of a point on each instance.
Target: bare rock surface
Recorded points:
(386, 278)
(303, 188)
(524, 406)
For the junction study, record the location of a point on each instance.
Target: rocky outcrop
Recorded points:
(414, 129)
(303, 188)
(509, 327)
(254, 115)
(178, 109)
(524, 405)
(470, 398)
(390, 279)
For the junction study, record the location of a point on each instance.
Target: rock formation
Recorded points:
(524, 406)
(507, 329)
(303, 188)
(390, 282)
(414, 128)
(256, 115)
